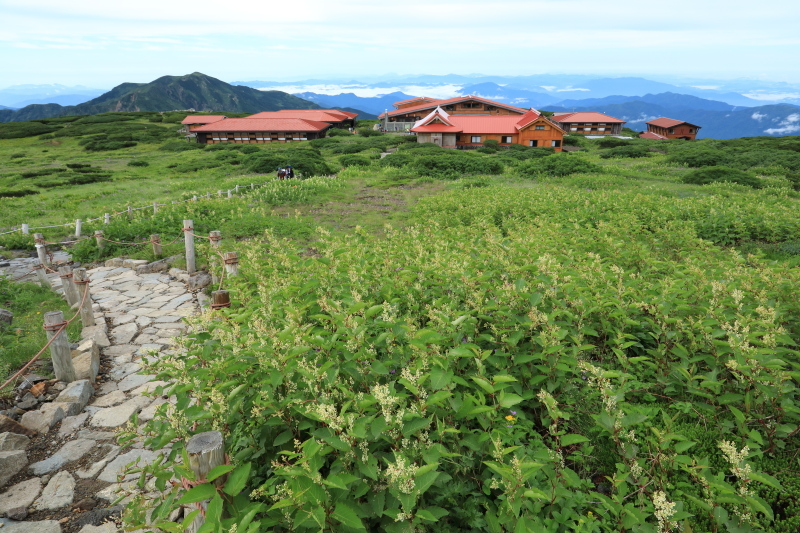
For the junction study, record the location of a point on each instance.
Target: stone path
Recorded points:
(60, 464)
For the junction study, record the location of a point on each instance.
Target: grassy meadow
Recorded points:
(502, 340)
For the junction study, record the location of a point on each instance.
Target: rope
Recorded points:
(28, 273)
(12, 231)
(217, 307)
(62, 327)
(55, 327)
(65, 276)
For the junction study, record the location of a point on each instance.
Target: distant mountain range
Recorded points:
(18, 96)
(193, 91)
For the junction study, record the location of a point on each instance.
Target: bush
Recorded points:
(626, 151)
(697, 157)
(707, 175)
(17, 193)
(17, 130)
(346, 148)
(338, 132)
(574, 140)
(354, 161)
(612, 142)
(369, 132)
(101, 143)
(563, 165)
(16, 155)
(138, 163)
(307, 162)
(182, 146)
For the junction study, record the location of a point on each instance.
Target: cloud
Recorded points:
(790, 125)
(640, 118)
(772, 97)
(757, 116)
(706, 87)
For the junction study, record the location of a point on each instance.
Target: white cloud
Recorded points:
(772, 97)
(640, 118)
(433, 91)
(706, 87)
(790, 125)
(757, 116)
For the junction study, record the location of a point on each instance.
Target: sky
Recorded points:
(102, 43)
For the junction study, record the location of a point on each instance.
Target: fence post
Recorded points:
(155, 207)
(78, 224)
(130, 213)
(206, 451)
(59, 348)
(230, 195)
(81, 280)
(188, 228)
(99, 237)
(70, 291)
(156, 240)
(237, 189)
(106, 218)
(26, 229)
(220, 299)
(231, 263)
(219, 193)
(215, 239)
(41, 249)
(252, 186)
(42, 275)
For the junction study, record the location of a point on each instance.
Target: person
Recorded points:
(281, 174)
(289, 172)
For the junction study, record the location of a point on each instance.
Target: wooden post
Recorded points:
(219, 193)
(231, 263)
(155, 207)
(98, 236)
(156, 240)
(220, 299)
(78, 223)
(216, 240)
(26, 229)
(188, 228)
(106, 218)
(230, 194)
(59, 348)
(237, 189)
(130, 213)
(206, 451)
(208, 196)
(81, 280)
(70, 291)
(252, 186)
(194, 198)
(41, 273)
(41, 248)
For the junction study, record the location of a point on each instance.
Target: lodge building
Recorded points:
(408, 112)
(260, 130)
(589, 123)
(669, 128)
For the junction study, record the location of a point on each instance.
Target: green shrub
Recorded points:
(626, 152)
(346, 148)
(354, 161)
(612, 142)
(697, 157)
(16, 155)
(248, 148)
(183, 146)
(306, 162)
(16, 193)
(369, 132)
(707, 175)
(574, 140)
(338, 132)
(562, 165)
(138, 163)
(17, 130)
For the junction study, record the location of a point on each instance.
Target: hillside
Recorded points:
(193, 91)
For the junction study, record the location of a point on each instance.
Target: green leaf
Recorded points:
(347, 516)
(415, 425)
(237, 479)
(424, 514)
(485, 385)
(572, 438)
(510, 400)
(198, 494)
(218, 471)
(766, 479)
(681, 447)
(283, 438)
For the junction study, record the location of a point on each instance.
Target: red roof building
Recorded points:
(673, 129)
(408, 112)
(589, 123)
(334, 117)
(193, 121)
(651, 135)
(472, 131)
(260, 130)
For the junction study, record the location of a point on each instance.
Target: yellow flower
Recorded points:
(510, 418)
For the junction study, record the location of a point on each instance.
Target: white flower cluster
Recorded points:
(401, 475)
(664, 510)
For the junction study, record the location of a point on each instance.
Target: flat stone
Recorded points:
(108, 527)
(88, 345)
(71, 451)
(88, 332)
(114, 262)
(124, 333)
(41, 421)
(144, 321)
(119, 415)
(95, 435)
(71, 424)
(17, 513)
(134, 380)
(133, 263)
(29, 401)
(77, 392)
(110, 399)
(147, 339)
(58, 493)
(176, 325)
(147, 348)
(148, 387)
(92, 470)
(124, 370)
(120, 350)
(12, 426)
(105, 388)
(20, 495)
(149, 412)
(41, 526)
(124, 319)
(117, 466)
(70, 409)
(87, 366)
(10, 442)
(12, 462)
(98, 335)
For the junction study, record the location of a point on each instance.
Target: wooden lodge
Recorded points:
(408, 112)
(589, 123)
(194, 121)
(472, 131)
(260, 130)
(669, 128)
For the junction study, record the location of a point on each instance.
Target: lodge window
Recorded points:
(672, 131)
(476, 139)
(506, 139)
(533, 144)
(691, 130)
(472, 105)
(555, 144)
(573, 129)
(539, 128)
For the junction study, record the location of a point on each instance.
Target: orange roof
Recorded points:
(421, 98)
(487, 125)
(321, 115)
(585, 116)
(458, 99)
(202, 119)
(665, 122)
(651, 135)
(265, 124)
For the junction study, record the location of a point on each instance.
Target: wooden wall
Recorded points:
(678, 132)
